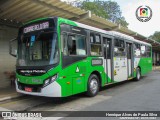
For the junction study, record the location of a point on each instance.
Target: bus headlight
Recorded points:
(18, 79)
(46, 82)
(50, 80)
(53, 78)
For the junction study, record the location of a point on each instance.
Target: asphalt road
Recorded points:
(143, 95)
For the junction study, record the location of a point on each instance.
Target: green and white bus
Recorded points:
(57, 57)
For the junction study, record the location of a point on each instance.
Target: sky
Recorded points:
(129, 8)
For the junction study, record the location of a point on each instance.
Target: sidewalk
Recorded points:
(156, 68)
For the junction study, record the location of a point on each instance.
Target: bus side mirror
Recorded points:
(13, 47)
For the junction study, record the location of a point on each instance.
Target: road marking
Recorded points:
(80, 103)
(51, 118)
(10, 96)
(73, 105)
(12, 102)
(4, 109)
(5, 98)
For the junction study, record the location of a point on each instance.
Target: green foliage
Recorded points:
(156, 36)
(107, 9)
(94, 8)
(122, 22)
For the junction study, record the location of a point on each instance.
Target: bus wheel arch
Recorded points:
(99, 76)
(93, 84)
(138, 73)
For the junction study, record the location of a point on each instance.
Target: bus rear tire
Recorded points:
(93, 85)
(138, 74)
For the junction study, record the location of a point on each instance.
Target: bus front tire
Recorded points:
(93, 85)
(138, 74)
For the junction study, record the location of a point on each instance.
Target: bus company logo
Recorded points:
(144, 13)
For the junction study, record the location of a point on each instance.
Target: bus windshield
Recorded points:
(38, 49)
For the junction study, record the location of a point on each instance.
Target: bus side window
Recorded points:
(95, 42)
(109, 49)
(76, 44)
(148, 51)
(91, 39)
(107, 43)
(137, 51)
(143, 50)
(119, 49)
(64, 43)
(128, 46)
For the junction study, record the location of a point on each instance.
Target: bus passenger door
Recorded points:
(129, 47)
(120, 61)
(107, 43)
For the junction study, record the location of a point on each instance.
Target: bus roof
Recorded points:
(111, 33)
(124, 36)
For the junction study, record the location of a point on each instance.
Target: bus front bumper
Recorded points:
(51, 90)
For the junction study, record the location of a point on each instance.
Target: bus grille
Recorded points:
(35, 88)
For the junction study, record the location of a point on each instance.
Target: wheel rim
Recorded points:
(138, 75)
(93, 86)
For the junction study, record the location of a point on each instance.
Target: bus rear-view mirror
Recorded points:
(13, 47)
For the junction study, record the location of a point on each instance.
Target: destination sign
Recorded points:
(97, 62)
(31, 72)
(36, 27)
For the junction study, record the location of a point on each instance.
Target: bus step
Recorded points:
(110, 83)
(130, 78)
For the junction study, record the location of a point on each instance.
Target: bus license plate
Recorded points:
(28, 89)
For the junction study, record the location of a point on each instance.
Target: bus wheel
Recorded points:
(138, 74)
(93, 85)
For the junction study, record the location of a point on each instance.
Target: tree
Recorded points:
(114, 12)
(95, 8)
(155, 36)
(107, 9)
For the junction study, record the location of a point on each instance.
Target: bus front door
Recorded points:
(107, 44)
